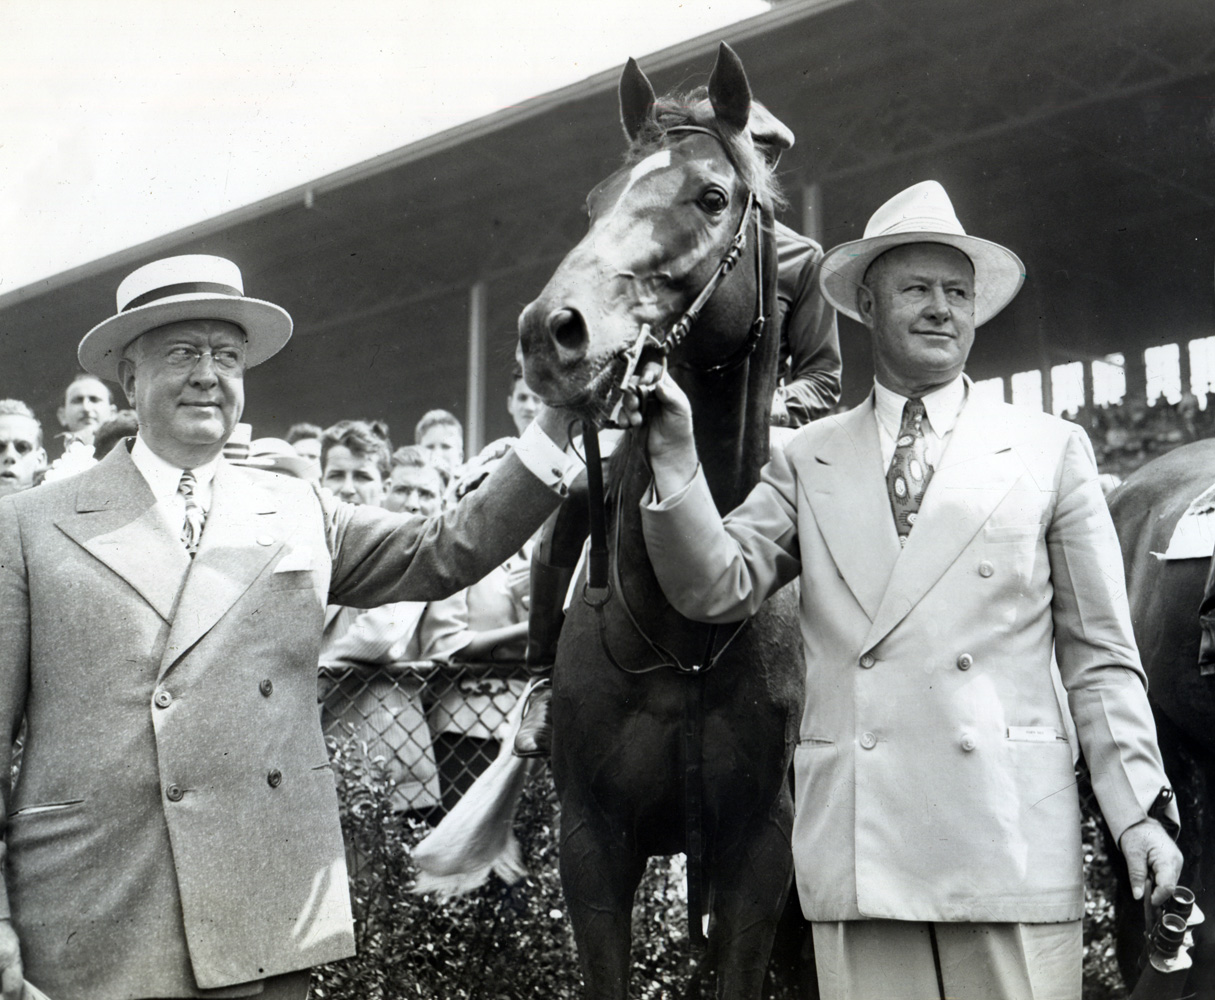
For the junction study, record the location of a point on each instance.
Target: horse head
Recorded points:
(698, 176)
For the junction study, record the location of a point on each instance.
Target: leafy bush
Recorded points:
(515, 943)
(1102, 980)
(496, 943)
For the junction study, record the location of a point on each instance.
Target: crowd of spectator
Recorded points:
(1126, 436)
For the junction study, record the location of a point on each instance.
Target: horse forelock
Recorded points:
(692, 108)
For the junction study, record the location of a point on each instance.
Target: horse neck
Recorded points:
(732, 408)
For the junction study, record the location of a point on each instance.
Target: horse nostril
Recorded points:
(568, 330)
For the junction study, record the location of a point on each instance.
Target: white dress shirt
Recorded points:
(941, 407)
(163, 479)
(546, 459)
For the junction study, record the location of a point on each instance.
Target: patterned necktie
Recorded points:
(196, 517)
(909, 470)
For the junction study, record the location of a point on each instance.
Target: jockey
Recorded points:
(809, 387)
(809, 341)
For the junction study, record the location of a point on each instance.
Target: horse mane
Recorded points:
(694, 108)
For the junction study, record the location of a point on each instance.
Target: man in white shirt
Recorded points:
(87, 404)
(175, 829)
(945, 546)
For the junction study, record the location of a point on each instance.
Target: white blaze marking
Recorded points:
(655, 161)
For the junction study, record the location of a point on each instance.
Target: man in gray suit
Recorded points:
(174, 829)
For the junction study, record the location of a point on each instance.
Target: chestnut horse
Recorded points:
(1164, 596)
(671, 735)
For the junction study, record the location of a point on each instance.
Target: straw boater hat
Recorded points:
(193, 286)
(276, 455)
(921, 214)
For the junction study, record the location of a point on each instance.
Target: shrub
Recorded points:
(515, 942)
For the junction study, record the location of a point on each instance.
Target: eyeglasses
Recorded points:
(228, 360)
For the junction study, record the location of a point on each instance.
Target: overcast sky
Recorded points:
(121, 120)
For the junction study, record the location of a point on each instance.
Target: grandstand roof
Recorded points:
(1080, 135)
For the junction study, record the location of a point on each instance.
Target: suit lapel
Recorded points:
(238, 541)
(976, 472)
(847, 491)
(119, 522)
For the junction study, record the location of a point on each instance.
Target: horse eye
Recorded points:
(714, 200)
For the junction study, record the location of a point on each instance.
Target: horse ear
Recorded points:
(636, 99)
(729, 91)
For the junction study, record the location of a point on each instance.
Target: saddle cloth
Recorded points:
(1194, 535)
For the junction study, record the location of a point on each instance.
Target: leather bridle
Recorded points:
(598, 590)
(733, 252)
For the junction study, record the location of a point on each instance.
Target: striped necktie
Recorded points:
(909, 470)
(196, 517)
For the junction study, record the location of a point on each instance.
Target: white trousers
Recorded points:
(912, 960)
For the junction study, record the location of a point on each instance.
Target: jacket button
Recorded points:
(274, 778)
(163, 699)
(986, 569)
(965, 661)
(868, 660)
(174, 793)
(868, 741)
(968, 743)
(265, 540)
(266, 687)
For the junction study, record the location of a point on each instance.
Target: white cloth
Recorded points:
(941, 407)
(1194, 535)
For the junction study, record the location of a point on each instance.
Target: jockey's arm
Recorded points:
(809, 334)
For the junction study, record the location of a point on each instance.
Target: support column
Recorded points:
(1183, 364)
(812, 212)
(478, 335)
(1136, 376)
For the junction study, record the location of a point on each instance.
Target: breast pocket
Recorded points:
(1013, 533)
(1012, 553)
(294, 579)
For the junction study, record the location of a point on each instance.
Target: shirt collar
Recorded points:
(163, 477)
(942, 406)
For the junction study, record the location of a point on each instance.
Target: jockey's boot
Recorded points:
(535, 735)
(548, 588)
(1206, 622)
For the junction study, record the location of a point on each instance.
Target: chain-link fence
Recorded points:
(435, 725)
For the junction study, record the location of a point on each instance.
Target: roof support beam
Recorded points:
(478, 336)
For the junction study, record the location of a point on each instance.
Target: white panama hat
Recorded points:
(192, 286)
(922, 213)
(276, 455)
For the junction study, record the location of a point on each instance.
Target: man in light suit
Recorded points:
(945, 545)
(174, 829)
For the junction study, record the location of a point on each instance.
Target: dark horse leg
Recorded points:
(599, 877)
(747, 902)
